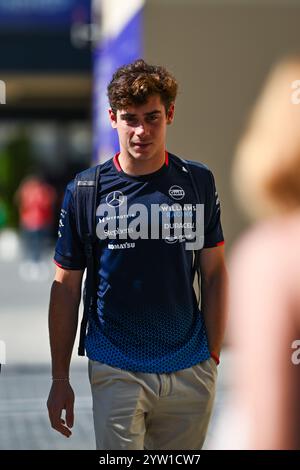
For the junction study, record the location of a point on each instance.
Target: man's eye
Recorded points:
(153, 118)
(131, 120)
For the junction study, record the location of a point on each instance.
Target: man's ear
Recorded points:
(113, 118)
(170, 114)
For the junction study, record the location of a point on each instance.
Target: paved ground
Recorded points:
(23, 414)
(24, 380)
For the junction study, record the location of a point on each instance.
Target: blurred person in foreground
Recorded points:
(264, 324)
(152, 353)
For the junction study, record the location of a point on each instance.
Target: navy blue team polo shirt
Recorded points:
(147, 317)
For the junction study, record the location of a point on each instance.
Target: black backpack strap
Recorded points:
(196, 265)
(189, 168)
(86, 190)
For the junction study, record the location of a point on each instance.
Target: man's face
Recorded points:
(142, 129)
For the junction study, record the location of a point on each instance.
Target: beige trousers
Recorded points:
(137, 411)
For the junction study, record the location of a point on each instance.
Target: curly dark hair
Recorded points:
(134, 83)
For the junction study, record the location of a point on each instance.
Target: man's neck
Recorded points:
(136, 167)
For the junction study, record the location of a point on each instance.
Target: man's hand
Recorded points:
(63, 319)
(61, 397)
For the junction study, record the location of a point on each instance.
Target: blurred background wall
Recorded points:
(220, 51)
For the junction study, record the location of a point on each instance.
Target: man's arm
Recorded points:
(63, 320)
(214, 287)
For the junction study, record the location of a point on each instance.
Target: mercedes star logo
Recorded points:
(115, 199)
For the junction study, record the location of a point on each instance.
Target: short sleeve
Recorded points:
(69, 250)
(213, 233)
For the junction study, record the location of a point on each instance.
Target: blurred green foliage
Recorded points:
(15, 163)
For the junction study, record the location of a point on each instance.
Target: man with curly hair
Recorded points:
(153, 353)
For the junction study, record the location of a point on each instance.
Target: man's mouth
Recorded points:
(141, 144)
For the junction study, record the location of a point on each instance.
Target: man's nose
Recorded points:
(141, 129)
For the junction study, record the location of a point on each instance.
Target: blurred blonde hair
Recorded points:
(266, 170)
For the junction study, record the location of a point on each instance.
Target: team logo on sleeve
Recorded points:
(115, 199)
(61, 224)
(176, 192)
